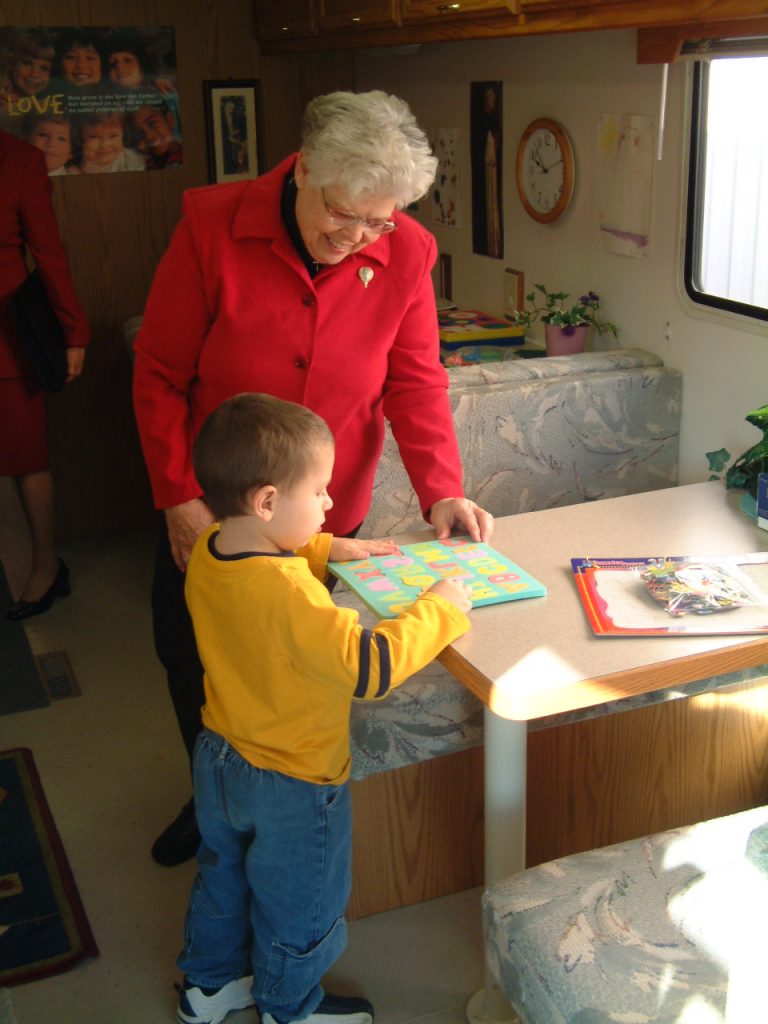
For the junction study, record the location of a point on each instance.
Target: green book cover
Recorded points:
(390, 583)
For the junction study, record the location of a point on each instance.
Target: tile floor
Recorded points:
(114, 774)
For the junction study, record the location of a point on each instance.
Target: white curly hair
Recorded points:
(368, 144)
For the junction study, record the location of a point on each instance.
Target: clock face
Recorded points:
(545, 170)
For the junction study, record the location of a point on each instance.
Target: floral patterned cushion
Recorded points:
(668, 929)
(539, 433)
(533, 434)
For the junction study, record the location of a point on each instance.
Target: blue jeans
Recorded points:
(273, 880)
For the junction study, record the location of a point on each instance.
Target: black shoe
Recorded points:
(59, 588)
(180, 840)
(334, 1010)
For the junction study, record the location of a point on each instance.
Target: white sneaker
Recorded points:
(334, 1010)
(197, 1008)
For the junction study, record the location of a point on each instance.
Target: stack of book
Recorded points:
(469, 336)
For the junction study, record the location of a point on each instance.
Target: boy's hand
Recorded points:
(347, 549)
(455, 591)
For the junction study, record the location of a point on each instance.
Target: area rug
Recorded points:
(21, 687)
(43, 927)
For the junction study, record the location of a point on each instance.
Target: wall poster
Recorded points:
(486, 155)
(93, 99)
(624, 179)
(446, 189)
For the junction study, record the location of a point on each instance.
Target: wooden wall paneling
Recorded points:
(115, 229)
(288, 83)
(114, 246)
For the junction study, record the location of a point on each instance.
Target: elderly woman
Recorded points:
(308, 284)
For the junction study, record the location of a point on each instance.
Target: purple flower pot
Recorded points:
(565, 341)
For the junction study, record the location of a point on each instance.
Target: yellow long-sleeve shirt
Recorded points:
(283, 663)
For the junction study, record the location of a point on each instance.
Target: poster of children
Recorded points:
(94, 100)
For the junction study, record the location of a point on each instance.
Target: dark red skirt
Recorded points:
(23, 427)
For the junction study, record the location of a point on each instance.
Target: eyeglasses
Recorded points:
(344, 219)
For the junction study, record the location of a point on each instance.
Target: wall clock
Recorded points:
(545, 169)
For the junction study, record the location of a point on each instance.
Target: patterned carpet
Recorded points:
(43, 926)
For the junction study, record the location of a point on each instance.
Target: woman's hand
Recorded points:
(185, 524)
(347, 549)
(75, 360)
(450, 512)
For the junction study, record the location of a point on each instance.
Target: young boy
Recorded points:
(282, 665)
(29, 66)
(52, 133)
(153, 129)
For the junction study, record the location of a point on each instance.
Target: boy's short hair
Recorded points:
(252, 440)
(30, 122)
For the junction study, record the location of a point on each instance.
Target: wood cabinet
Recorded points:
(286, 20)
(537, 6)
(418, 831)
(353, 16)
(285, 26)
(417, 11)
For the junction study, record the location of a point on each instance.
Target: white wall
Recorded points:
(574, 79)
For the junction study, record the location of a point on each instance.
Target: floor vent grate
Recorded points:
(57, 675)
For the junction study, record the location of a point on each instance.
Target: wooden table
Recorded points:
(537, 658)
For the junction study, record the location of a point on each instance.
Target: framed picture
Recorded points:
(232, 129)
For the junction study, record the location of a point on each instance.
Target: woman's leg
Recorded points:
(37, 498)
(175, 644)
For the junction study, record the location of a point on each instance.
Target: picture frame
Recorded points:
(232, 129)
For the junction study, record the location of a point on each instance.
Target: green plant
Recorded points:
(749, 465)
(552, 311)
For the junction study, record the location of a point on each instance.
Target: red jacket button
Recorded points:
(301, 363)
(308, 300)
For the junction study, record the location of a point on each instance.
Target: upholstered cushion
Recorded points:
(668, 929)
(533, 433)
(540, 433)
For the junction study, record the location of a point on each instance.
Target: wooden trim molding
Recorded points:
(535, 18)
(662, 45)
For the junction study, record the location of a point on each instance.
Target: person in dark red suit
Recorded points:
(28, 224)
(309, 284)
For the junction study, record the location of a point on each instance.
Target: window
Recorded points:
(726, 248)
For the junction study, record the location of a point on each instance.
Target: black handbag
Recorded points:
(41, 332)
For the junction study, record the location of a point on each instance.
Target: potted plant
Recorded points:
(566, 327)
(744, 473)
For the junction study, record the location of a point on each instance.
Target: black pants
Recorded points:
(175, 641)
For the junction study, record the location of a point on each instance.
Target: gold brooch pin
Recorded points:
(366, 275)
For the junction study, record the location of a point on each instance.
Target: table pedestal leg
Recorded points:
(506, 745)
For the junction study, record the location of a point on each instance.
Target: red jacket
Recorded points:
(232, 308)
(27, 221)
